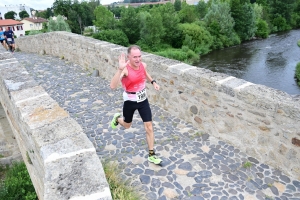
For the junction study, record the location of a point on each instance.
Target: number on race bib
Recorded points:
(141, 95)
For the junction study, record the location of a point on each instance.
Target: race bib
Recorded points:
(141, 95)
(9, 39)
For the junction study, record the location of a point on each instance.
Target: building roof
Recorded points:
(36, 19)
(9, 22)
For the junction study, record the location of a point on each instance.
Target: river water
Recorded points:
(271, 62)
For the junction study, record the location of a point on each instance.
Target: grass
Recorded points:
(16, 183)
(298, 43)
(247, 164)
(3, 170)
(297, 73)
(119, 189)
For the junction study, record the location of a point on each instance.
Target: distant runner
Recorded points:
(9, 35)
(2, 38)
(133, 75)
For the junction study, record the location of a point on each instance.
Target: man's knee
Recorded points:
(148, 126)
(126, 125)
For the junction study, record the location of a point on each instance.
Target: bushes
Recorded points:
(185, 54)
(297, 73)
(113, 36)
(298, 43)
(262, 29)
(17, 184)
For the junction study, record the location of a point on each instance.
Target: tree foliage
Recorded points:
(245, 19)
(152, 30)
(10, 15)
(170, 21)
(188, 13)
(104, 18)
(58, 25)
(113, 36)
(221, 25)
(201, 9)
(177, 5)
(23, 14)
(78, 14)
(196, 38)
(130, 24)
(46, 14)
(262, 29)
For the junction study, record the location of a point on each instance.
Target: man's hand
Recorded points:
(122, 61)
(156, 86)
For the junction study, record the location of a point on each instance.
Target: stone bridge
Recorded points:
(208, 126)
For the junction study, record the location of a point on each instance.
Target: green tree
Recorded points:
(10, 15)
(177, 5)
(113, 36)
(23, 14)
(116, 10)
(296, 15)
(62, 7)
(196, 38)
(279, 23)
(262, 29)
(245, 20)
(170, 22)
(152, 30)
(220, 25)
(80, 16)
(188, 13)
(281, 14)
(94, 4)
(104, 18)
(58, 25)
(201, 9)
(46, 14)
(130, 24)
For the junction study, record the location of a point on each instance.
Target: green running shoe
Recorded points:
(114, 123)
(154, 159)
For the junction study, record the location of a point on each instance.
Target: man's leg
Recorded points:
(13, 47)
(129, 108)
(149, 134)
(126, 125)
(146, 115)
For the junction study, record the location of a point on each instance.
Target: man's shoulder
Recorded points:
(144, 64)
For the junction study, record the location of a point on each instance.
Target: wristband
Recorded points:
(153, 81)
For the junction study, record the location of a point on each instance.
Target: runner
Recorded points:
(133, 75)
(9, 35)
(2, 38)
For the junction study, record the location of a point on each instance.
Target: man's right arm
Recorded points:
(116, 79)
(121, 72)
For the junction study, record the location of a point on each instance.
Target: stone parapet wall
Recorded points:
(60, 159)
(261, 121)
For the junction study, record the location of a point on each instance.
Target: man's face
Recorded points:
(135, 57)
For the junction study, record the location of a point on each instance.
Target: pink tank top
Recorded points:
(136, 79)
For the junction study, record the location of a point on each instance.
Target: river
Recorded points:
(271, 62)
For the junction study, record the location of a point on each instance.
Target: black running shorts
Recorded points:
(143, 107)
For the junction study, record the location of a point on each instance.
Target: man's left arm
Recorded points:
(149, 78)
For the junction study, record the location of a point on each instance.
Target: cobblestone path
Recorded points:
(195, 165)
